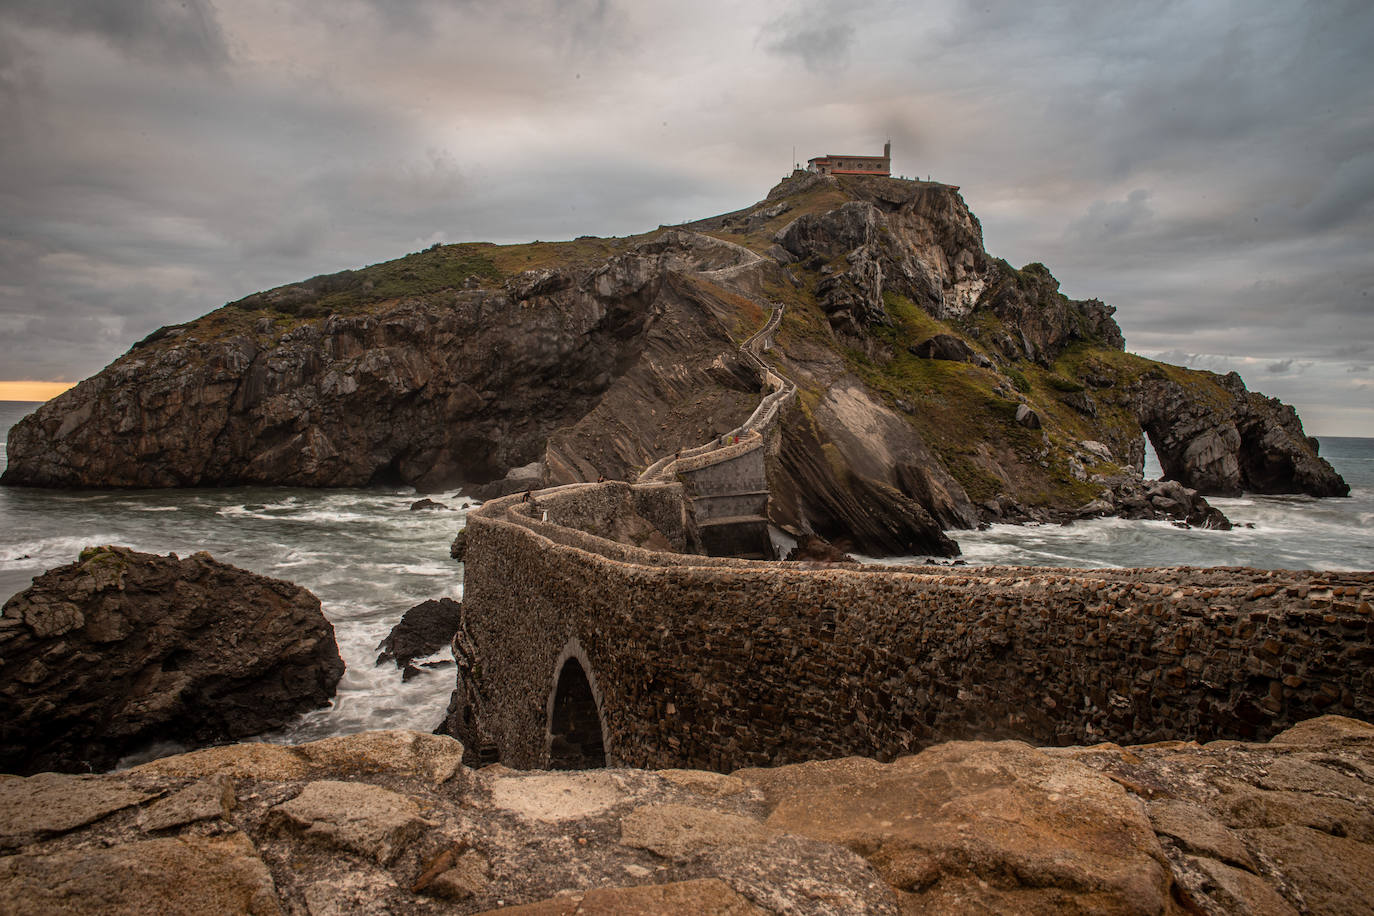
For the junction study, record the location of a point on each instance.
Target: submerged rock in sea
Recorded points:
(393, 822)
(422, 630)
(121, 649)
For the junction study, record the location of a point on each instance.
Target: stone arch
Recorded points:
(575, 735)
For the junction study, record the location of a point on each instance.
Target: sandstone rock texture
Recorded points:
(121, 649)
(391, 822)
(933, 379)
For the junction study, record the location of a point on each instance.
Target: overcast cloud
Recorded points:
(1207, 167)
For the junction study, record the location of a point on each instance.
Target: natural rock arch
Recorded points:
(575, 733)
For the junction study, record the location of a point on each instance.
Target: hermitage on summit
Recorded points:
(853, 165)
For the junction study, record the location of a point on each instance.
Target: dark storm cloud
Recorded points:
(820, 34)
(177, 31)
(1207, 168)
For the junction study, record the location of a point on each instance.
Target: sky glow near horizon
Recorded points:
(1207, 168)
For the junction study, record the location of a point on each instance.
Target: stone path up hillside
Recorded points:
(726, 479)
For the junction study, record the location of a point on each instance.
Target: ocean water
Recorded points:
(369, 559)
(363, 553)
(1272, 532)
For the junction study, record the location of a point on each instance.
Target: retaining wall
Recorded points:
(720, 663)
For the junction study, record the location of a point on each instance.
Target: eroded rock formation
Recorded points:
(121, 649)
(1241, 441)
(393, 822)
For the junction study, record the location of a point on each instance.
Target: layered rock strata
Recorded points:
(393, 822)
(122, 649)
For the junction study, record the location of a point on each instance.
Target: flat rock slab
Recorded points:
(554, 797)
(682, 898)
(999, 825)
(387, 823)
(213, 797)
(190, 876)
(51, 803)
(392, 752)
(365, 819)
(683, 831)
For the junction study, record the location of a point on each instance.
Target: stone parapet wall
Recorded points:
(720, 663)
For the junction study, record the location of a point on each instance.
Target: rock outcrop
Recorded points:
(122, 649)
(422, 630)
(1240, 441)
(932, 378)
(393, 822)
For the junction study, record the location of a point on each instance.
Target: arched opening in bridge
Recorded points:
(575, 739)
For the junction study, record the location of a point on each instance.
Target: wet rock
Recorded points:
(421, 505)
(423, 630)
(122, 649)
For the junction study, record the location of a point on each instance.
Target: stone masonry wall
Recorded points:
(721, 663)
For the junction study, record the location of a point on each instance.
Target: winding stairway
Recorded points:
(726, 480)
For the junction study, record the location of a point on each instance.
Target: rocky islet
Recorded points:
(937, 386)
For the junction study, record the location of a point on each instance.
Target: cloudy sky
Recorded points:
(1207, 167)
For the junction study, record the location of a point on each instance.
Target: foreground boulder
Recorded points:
(121, 649)
(393, 822)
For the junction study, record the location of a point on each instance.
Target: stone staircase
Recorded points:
(726, 480)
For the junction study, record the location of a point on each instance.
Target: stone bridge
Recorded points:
(595, 632)
(580, 648)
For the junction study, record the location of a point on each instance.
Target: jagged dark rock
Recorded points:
(121, 649)
(947, 347)
(423, 630)
(1242, 441)
(813, 549)
(427, 505)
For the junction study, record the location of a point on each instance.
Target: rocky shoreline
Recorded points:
(393, 822)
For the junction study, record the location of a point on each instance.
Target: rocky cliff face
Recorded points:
(393, 822)
(938, 386)
(121, 649)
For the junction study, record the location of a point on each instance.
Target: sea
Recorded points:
(369, 558)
